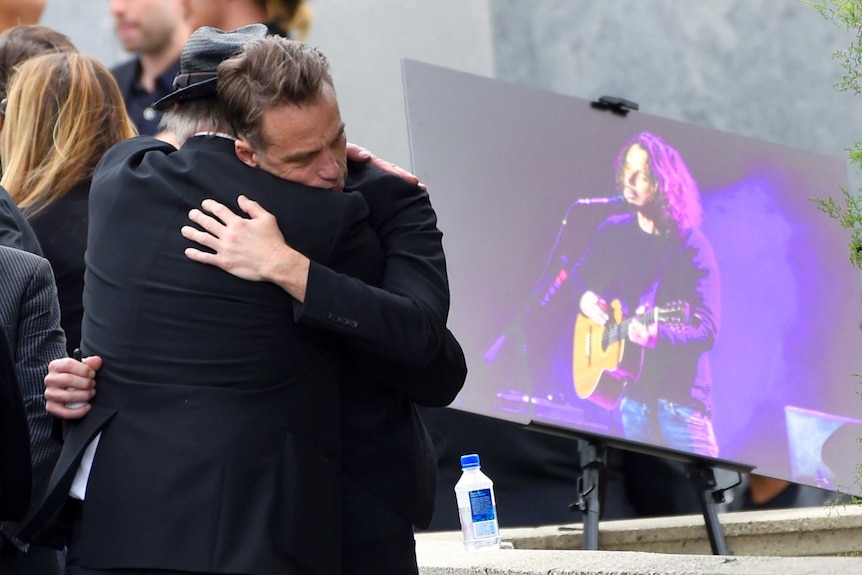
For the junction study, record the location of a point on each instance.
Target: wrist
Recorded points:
(290, 272)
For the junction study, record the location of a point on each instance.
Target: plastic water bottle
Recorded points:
(476, 507)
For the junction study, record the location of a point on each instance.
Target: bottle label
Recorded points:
(483, 513)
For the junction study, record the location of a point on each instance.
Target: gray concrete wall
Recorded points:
(365, 42)
(759, 68)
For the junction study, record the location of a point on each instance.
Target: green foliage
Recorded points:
(850, 217)
(847, 15)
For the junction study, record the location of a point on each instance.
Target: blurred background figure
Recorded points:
(63, 112)
(283, 17)
(20, 12)
(155, 31)
(30, 338)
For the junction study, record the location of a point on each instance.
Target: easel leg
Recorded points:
(592, 459)
(703, 480)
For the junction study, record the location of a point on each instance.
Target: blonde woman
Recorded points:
(62, 113)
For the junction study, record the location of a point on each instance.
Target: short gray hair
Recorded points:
(190, 117)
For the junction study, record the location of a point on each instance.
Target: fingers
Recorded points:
(69, 396)
(594, 307)
(60, 410)
(360, 154)
(205, 239)
(94, 362)
(637, 333)
(217, 209)
(213, 226)
(70, 385)
(65, 369)
(394, 169)
(199, 256)
(252, 208)
(357, 153)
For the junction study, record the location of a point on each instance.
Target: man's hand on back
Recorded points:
(360, 154)
(250, 248)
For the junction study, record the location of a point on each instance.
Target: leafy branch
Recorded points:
(850, 217)
(847, 15)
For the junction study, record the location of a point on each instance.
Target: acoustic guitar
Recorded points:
(604, 361)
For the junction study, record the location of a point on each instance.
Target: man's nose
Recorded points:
(115, 6)
(329, 168)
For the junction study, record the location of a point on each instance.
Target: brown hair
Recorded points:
(64, 111)
(675, 188)
(270, 72)
(24, 42)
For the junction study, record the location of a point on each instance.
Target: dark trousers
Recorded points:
(393, 555)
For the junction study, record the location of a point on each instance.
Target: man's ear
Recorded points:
(245, 153)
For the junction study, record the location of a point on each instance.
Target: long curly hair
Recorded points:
(675, 189)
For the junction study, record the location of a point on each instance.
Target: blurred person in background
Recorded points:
(155, 31)
(282, 17)
(19, 12)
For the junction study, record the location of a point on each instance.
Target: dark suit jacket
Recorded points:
(15, 474)
(15, 232)
(30, 337)
(220, 447)
(409, 357)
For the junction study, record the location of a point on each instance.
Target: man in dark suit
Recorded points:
(30, 337)
(260, 532)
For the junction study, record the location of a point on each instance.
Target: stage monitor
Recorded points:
(652, 283)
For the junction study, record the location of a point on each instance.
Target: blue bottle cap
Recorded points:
(469, 461)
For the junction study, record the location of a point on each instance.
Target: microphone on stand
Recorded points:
(597, 201)
(491, 354)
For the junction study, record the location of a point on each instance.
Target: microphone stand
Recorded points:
(515, 327)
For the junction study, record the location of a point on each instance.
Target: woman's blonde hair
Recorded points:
(63, 112)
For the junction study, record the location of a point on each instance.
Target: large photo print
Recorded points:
(633, 278)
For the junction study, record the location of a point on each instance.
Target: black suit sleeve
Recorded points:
(404, 320)
(15, 232)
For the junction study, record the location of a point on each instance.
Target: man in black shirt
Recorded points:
(155, 31)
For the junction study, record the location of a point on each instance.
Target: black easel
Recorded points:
(593, 460)
(592, 455)
(703, 480)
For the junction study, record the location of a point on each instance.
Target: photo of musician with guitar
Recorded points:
(649, 298)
